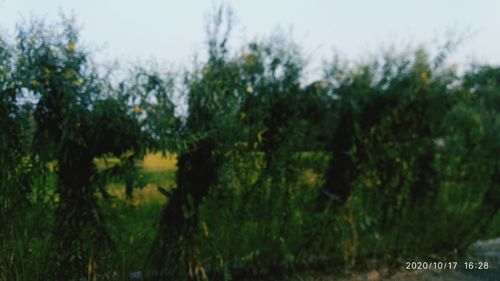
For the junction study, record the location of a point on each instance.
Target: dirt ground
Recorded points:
(481, 251)
(427, 275)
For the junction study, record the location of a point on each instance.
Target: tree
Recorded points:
(211, 100)
(77, 120)
(18, 168)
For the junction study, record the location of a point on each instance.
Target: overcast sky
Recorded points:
(172, 31)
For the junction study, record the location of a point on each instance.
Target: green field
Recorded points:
(133, 223)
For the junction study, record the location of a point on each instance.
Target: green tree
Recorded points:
(211, 100)
(77, 120)
(18, 168)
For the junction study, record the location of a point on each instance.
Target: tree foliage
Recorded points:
(273, 175)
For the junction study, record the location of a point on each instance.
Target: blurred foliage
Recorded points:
(389, 159)
(76, 121)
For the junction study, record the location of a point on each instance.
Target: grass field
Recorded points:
(154, 171)
(132, 223)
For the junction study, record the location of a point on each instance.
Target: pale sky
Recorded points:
(173, 31)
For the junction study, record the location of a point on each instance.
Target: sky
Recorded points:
(174, 31)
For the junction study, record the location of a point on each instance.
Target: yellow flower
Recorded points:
(424, 77)
(34, 83)
(249, 89)
(249, 59)
(205, 228)
(70, 74)
(259, 135)
(137, 110)
(71, 46)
